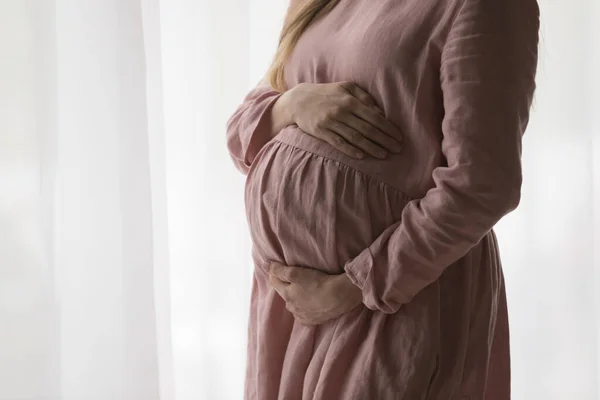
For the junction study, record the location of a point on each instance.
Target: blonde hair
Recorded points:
(298, 18)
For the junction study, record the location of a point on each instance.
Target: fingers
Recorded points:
(286, 273)
(284, 290)
(362, 96)
(374, 126)
(280, 276)
(372, 133)
(308, 322)
(281, 287)
(336, 140)
(354, 139)
(367, 119)
(304, 317)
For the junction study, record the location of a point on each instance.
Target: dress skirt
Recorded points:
(310, 205)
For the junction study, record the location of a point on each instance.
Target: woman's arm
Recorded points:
(257, 120)
(339, 113)
(262, 114)
(488, 78)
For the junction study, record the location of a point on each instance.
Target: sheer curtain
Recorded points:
(124, 252)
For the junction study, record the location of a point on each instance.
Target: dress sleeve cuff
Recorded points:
(359, 268)
(260, 131)
(360, 271)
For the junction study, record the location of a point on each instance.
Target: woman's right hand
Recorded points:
(345, 116)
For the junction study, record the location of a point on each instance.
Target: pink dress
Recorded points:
(413, 231)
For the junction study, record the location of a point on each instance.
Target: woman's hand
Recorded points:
(312, 296)
(343, 115)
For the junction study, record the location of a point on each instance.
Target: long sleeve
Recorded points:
(248, 129)
(487, 75)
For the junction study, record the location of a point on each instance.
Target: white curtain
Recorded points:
(124, 251)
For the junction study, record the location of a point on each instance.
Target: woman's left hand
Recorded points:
(314, 297)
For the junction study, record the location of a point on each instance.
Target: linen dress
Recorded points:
(413, 231)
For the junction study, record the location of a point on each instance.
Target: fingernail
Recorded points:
(359, 155)
(382, 154)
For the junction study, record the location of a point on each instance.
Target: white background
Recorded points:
(124, 251)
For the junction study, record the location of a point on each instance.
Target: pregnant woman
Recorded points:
(380, 150)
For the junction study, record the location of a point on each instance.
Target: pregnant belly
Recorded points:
(308, 210)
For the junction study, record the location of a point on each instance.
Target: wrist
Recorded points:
(286, 107)
(349, 288)
(280, 114)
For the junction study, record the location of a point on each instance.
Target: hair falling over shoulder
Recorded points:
(299, 16)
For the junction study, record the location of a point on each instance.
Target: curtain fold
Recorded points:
(158, 185)
(103, 238)
(125, 265)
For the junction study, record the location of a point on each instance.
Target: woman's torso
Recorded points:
(310, 205)
(392, 50)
